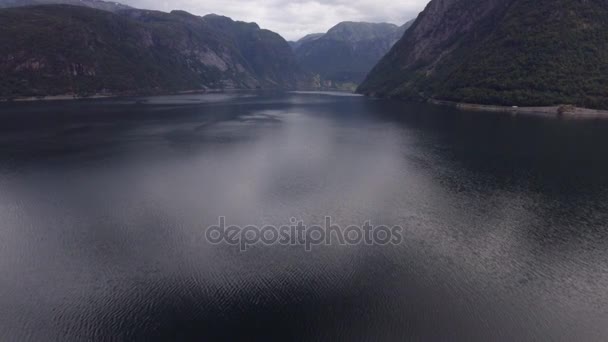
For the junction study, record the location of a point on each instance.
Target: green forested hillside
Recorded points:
(520, 52)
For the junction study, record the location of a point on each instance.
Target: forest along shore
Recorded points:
(560, 111)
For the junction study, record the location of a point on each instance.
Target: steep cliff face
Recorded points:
(268, 56)
(58, 49)
(443, 29)
(348, 51)
(445, 25)
(508, 52)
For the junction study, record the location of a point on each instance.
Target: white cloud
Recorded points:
(295, 18)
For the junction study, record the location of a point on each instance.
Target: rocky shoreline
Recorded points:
(559, 111)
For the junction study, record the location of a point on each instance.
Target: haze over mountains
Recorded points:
(507, 52)
(342, 57)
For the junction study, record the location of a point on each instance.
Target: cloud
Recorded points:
(295, 18)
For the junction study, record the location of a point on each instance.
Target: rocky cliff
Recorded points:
(60, 49)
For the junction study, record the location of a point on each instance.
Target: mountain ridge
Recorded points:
(312, 36)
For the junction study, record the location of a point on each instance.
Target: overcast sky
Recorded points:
(295, 18)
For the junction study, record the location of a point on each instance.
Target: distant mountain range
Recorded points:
(342, 57)
(506, 52)
(307, 38)
(98, 4)
(62, 49)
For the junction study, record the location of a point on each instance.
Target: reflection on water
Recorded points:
(103, 206)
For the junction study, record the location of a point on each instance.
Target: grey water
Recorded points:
(104, 206)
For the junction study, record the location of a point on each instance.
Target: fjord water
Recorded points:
(104, 204)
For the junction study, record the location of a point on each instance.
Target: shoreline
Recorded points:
(557, 111)
(55, 98)
(73, 97)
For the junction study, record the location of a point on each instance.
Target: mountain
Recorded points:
(504, 52)
(98, 4)
(347, 52)
(307, 38)
(60, 49)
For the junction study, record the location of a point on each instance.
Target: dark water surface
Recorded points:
(103, 207)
